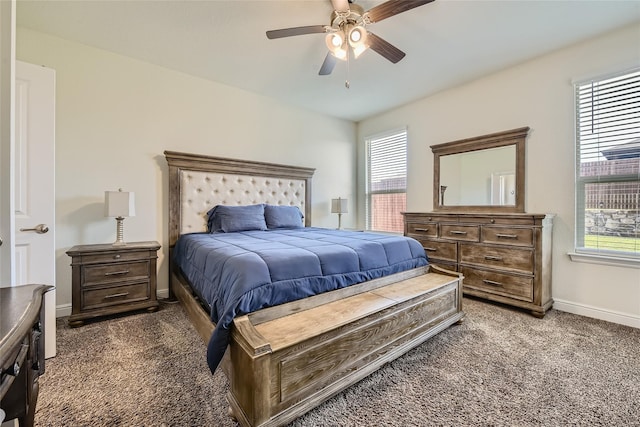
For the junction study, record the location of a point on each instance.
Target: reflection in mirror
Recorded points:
(479, 178)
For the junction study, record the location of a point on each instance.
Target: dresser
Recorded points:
(504, 257)
(109, 279)
(21, 350)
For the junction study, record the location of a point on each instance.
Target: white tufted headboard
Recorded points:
(198, 183)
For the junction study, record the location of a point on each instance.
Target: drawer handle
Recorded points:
(421, 229)
(430, 249)
(493, 258)
(506, 236)
(116, 256)
(115, 273)
(491, 282)
(459, 233)
(123, 294)
(14, 370)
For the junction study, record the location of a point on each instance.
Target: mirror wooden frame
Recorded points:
(515, 137)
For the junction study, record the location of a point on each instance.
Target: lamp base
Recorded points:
(119, 232)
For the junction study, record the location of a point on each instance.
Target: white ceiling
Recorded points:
(447, 43)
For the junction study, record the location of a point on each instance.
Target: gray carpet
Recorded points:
(500, 367)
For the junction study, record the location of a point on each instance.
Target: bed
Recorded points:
(285, 359)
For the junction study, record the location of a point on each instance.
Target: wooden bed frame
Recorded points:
(285, 360)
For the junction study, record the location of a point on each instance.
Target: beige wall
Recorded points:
(115, 116)
(538, 94)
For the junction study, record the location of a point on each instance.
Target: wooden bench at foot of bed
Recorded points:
(288, 359)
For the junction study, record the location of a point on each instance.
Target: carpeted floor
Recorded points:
(500, 367)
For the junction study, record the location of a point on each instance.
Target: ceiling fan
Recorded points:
(348, 30)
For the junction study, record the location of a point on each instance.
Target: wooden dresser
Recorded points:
(109, 279)
(21, 350)
(504, 257)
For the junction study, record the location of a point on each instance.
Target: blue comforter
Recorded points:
(238, 273)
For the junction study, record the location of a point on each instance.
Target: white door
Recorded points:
(34, 185)
(7, 80)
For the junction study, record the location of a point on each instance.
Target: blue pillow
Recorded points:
(236, 218)
(283, 216)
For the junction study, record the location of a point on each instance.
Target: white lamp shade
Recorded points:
(119, 204)
(339, 205)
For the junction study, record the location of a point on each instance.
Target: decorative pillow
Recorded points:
(236, 218)
(283, 216)
(213, 220)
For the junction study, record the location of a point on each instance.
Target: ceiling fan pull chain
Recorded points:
(346, 82)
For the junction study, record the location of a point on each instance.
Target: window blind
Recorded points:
(608, 165)
(386, 181)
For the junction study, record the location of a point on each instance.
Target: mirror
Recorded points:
(482, 174)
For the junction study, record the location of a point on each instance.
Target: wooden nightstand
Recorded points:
(108, 279)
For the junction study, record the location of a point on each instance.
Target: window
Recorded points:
(608, 166)
(386, 181)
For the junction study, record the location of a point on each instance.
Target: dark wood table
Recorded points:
(21, 350)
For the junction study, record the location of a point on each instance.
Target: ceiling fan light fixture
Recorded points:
(359, 50)
(358, 40)
(356, 35)
(336, 42)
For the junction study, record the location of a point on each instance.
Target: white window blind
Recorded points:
(386, 181)
(608, 165)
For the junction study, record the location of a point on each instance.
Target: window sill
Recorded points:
(617, 261)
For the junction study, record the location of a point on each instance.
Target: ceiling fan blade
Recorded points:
(393, 7)
(296, 31)
(340, 5)
(385, 48)
(328, 64)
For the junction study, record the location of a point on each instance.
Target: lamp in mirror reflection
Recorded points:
(339, 206)
(119, 204)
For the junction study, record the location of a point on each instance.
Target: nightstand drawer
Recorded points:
(108, 273)
(114, 257)
(114, 295)
(518, 287)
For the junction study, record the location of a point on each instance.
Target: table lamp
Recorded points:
(339, 206)
(119, 204)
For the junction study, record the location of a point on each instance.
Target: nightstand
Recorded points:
(109, 279)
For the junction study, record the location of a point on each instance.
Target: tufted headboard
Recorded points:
(197, 183)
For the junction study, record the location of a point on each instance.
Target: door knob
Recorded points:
(40, 229)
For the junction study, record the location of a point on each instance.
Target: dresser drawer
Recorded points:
(507, 236)
(114, 295)
(500, 220)
(427, 229)
(512, 286)
(15, 360)
(467, 233)
(107, 273)
(440, 249)
(504, 258)
(114, 257)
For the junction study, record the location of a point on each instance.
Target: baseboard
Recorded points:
(63, 310)
(162, 293)
(597, 313)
